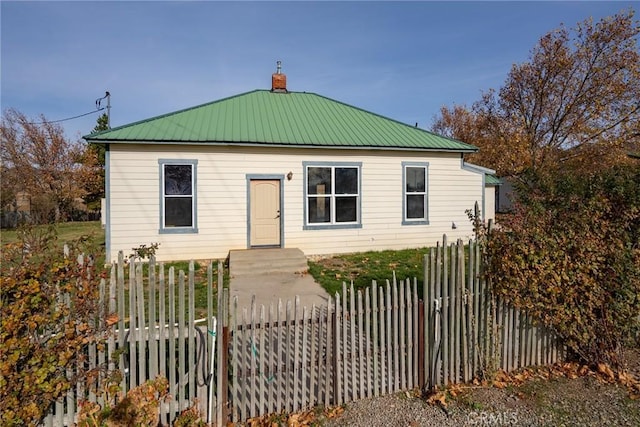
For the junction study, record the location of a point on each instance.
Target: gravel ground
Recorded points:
(579, 402)
(583, 401)
(545, 397)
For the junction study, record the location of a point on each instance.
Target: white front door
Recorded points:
(265, 212)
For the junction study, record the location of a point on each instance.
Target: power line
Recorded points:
(69, 118)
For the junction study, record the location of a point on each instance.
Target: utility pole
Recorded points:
(108, 95)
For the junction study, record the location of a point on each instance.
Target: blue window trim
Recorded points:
(335, 226)
(179, 230)
(257, 177)
(421, 221)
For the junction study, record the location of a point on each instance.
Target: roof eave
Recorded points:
(471, 149)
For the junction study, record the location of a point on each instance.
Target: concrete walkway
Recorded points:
(272, 274)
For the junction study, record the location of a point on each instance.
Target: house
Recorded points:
(275, 168)
(505, 195)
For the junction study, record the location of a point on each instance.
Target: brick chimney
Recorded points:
(279, 80)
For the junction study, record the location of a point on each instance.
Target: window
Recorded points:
(332, 195)
(415, 201)
(177, 194)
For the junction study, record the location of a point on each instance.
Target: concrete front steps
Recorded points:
(257, 262)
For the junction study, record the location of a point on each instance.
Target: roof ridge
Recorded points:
(161, 116)
(383, 117)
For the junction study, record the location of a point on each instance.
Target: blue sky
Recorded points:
(403, 60)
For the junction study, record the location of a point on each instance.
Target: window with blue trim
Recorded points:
(415, 196)
(333, 194)
(178, 198)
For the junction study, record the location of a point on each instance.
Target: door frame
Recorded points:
(265, 177)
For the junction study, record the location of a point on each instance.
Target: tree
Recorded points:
(96, 159)
(563, 123)
(37, 159)
(574, 102)
(102, 124)
(497, 139)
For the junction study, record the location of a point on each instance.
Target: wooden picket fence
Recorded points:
(470, 332)
(287, 358)
(156, 334)
(259, 360)
(381, 340)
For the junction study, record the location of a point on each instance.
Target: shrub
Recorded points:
(50, 310)
(138, 408)
(570, 255)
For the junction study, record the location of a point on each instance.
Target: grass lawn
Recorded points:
(362, 268)
(66, 232)
(93, 231)
(200, 270)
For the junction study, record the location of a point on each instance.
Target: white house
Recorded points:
(273, 168)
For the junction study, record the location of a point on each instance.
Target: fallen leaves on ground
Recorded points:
(438, 398)
(296, 419)
(570, 370)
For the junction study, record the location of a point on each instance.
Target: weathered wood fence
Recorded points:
(469, 332)
(156, 334)
(361, 344)
(282, 358)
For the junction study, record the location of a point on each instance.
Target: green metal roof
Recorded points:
(295, 119)
(490, 179)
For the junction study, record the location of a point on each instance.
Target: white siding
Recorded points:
(490, 203)
(134, 199)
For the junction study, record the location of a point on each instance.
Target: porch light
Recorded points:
(289, 176)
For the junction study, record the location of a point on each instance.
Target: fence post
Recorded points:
(370, 346)
(182, 388)
(392, 371)
(133, 328)
(446, 317)
(330, 353)
(192, 335)
(375, 324)
(211, 331)
(474, 309)
(425, 320)
(116, 305)
(464, 295)
(360, 359)
(422, 343)
(223, 351)
(352, 326)
(154, 360)
(172, 339)
(438, 329)
(337, 372)
(142, 331)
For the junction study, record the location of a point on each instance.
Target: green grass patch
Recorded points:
(200, 281)
(66, 231)
(364, 267)
(92, 233)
